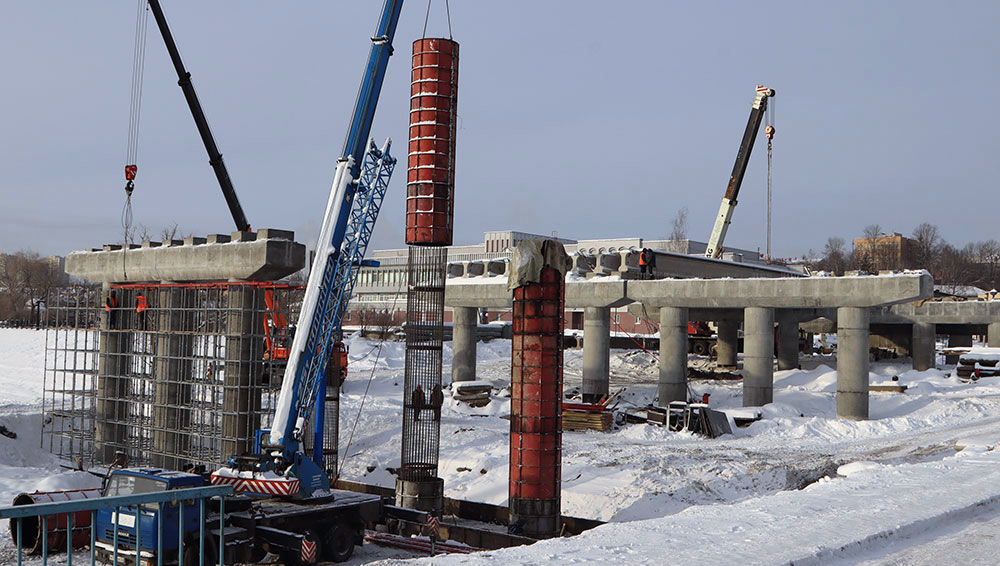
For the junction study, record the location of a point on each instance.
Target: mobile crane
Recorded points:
(281, 466)
(725, 216)
(292, 510)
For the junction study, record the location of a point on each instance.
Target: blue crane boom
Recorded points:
(355, 198)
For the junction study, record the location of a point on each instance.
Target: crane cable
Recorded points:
(769, 132)
(427, 17)
(135, 105)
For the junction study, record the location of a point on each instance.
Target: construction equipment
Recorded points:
(725, 215)
(214, 155)
(281, 465)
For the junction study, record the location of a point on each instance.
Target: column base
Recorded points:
(421, 495)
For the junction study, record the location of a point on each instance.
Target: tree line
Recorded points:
(976, 263)
(27, 281)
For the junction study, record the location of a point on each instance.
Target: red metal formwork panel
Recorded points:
(536, 389)
(430, 174)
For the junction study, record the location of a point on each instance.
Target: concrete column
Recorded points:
(852, 363)
(993, 336)
(241, 396)
(922, 349)
(115, 349)
(788, 340)
(673, 355)
(758, 356)
(465, 320)
(596, 352)
(727, 344)
(174, 348)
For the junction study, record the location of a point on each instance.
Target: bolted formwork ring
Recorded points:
(430, 174)
(536, 405)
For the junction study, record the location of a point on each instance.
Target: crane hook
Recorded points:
(769, 132)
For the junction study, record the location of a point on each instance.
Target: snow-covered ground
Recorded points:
(767, 494)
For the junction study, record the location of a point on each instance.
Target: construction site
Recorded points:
(346, 397)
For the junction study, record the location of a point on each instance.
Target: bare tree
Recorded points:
(835, 259)
(27, 280)
(929, 244)
(169, 232)
(954, 268)
(679, 231)
(873, 231)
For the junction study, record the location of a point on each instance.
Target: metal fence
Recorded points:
(170, 375)
(76, 523)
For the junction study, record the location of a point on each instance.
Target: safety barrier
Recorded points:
(125, 546)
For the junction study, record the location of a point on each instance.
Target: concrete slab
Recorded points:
(262, 256)
(812, 292)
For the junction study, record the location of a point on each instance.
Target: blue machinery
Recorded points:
(355, 199)
(122, 507)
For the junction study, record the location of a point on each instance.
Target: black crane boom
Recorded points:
(214, 155)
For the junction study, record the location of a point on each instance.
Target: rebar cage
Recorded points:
(168, 375)
(422, 394)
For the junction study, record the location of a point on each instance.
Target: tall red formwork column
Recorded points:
(536, 405)
(429, 214)
(430, 172)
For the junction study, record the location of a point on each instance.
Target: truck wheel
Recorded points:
(338, 545)
(700, 347)
(191, 552)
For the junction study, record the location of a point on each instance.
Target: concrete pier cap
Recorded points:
(265, 255)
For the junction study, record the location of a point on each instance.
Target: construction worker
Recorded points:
(140, 308)
(437, 399)
(111, 307)
(417, 400)
(646, 262)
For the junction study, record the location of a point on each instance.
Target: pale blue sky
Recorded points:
(595, 119)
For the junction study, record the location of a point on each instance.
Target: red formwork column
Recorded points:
(536, 406)
(430, 172)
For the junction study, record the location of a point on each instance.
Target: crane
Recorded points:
(725, 216)
(359, 185)
(214, 155)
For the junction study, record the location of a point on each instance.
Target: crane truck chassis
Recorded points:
(298, 531)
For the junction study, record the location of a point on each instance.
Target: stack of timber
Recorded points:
(589, 416)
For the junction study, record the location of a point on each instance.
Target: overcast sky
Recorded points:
(590, 118)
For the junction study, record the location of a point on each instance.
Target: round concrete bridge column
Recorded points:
(788, 340)
(922, 349)
(463, 342)
(673, 355)
(727, 344)
(852, 363)
(758, 356)
(993, 336)
(596, 352)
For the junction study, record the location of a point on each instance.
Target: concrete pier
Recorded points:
(852, 363)
(788, 340)
(993, 335)
(727, 345)
(758, 356)
(112, 383)
(463, 354)
(240, 398)
(174, 345)
(923, 348)
(673, 355)
(596, 352)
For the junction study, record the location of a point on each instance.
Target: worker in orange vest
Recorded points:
(646, 263)
(140, 308)
(111, 307)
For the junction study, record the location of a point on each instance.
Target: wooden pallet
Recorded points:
(573, 419)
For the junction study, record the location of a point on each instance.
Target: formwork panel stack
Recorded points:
(429, 219)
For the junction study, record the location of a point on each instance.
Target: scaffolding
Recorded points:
(168, 375)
